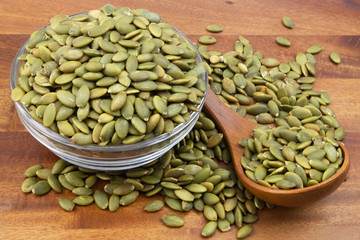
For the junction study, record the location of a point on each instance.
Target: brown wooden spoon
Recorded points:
(236, 128)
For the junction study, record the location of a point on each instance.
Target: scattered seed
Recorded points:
(214, 28)
(66, 204)
(314, 49)
(335, 57)
(244, 231)
(207, 40)
(288, 22)
(283, 41)
(172, 220)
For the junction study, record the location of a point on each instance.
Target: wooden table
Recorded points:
(333, 24)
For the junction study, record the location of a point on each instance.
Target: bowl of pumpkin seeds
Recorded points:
(108, 89)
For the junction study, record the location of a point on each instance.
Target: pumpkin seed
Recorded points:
(283, 41)
(82, 191)
(129, 198)
(328, 173)
(314, 49)
(41, 187)
(209, 229)
(74, 179)
(244, 231)
(207, 40)
(31, 171)
(288, 22)
(335, 57)
(214, 28)
(123, 189)
(54, 183)
(154, 206)
(114, 203)
(66, 204)
(172, 220)
(28, 184)
(210, 213)
(83, 200)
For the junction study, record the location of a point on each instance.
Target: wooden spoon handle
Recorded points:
(230, 123)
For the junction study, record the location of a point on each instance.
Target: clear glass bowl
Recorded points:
(105, 158)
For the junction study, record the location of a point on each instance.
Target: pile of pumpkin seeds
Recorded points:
(187, 176)
(302, 148)
(110, 76)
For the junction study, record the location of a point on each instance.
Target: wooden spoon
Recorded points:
(236, 128)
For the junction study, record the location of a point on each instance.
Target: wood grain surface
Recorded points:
(333, 24)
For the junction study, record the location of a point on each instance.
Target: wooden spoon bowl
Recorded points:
(236, 128)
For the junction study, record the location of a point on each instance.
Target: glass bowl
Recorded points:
(110, 157)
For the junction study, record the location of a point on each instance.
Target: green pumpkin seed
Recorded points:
(59, 166)
(335, 57)
(66, 204)
(184, 195)
(314, 49)
(128, 199)
(220, 211)
(293, 177)
(160, 105)
(223, 225)
(244, 231)
(339, 134)
(28, 184)
(270, 62)
(209, 229)
(214, 140)
(260, 172)
(154, 206)
(301, 113)
(74, 179)
(173, 203)
(283, 41)
(155, 29)
(207, 40)
(83, 200)
(49, 115)
(114, 203)
(170, 185)
(328, 173)
(41, 187)
(214, 28)
(172, 220)
(101, 199)
(318, 164)
(123, 189)
(54, 183)
(31, 171)
(210, 198)
(287, 22)
(82, 191)
(65, 183)
(17, 94)
(210, 213)
(285, 184)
